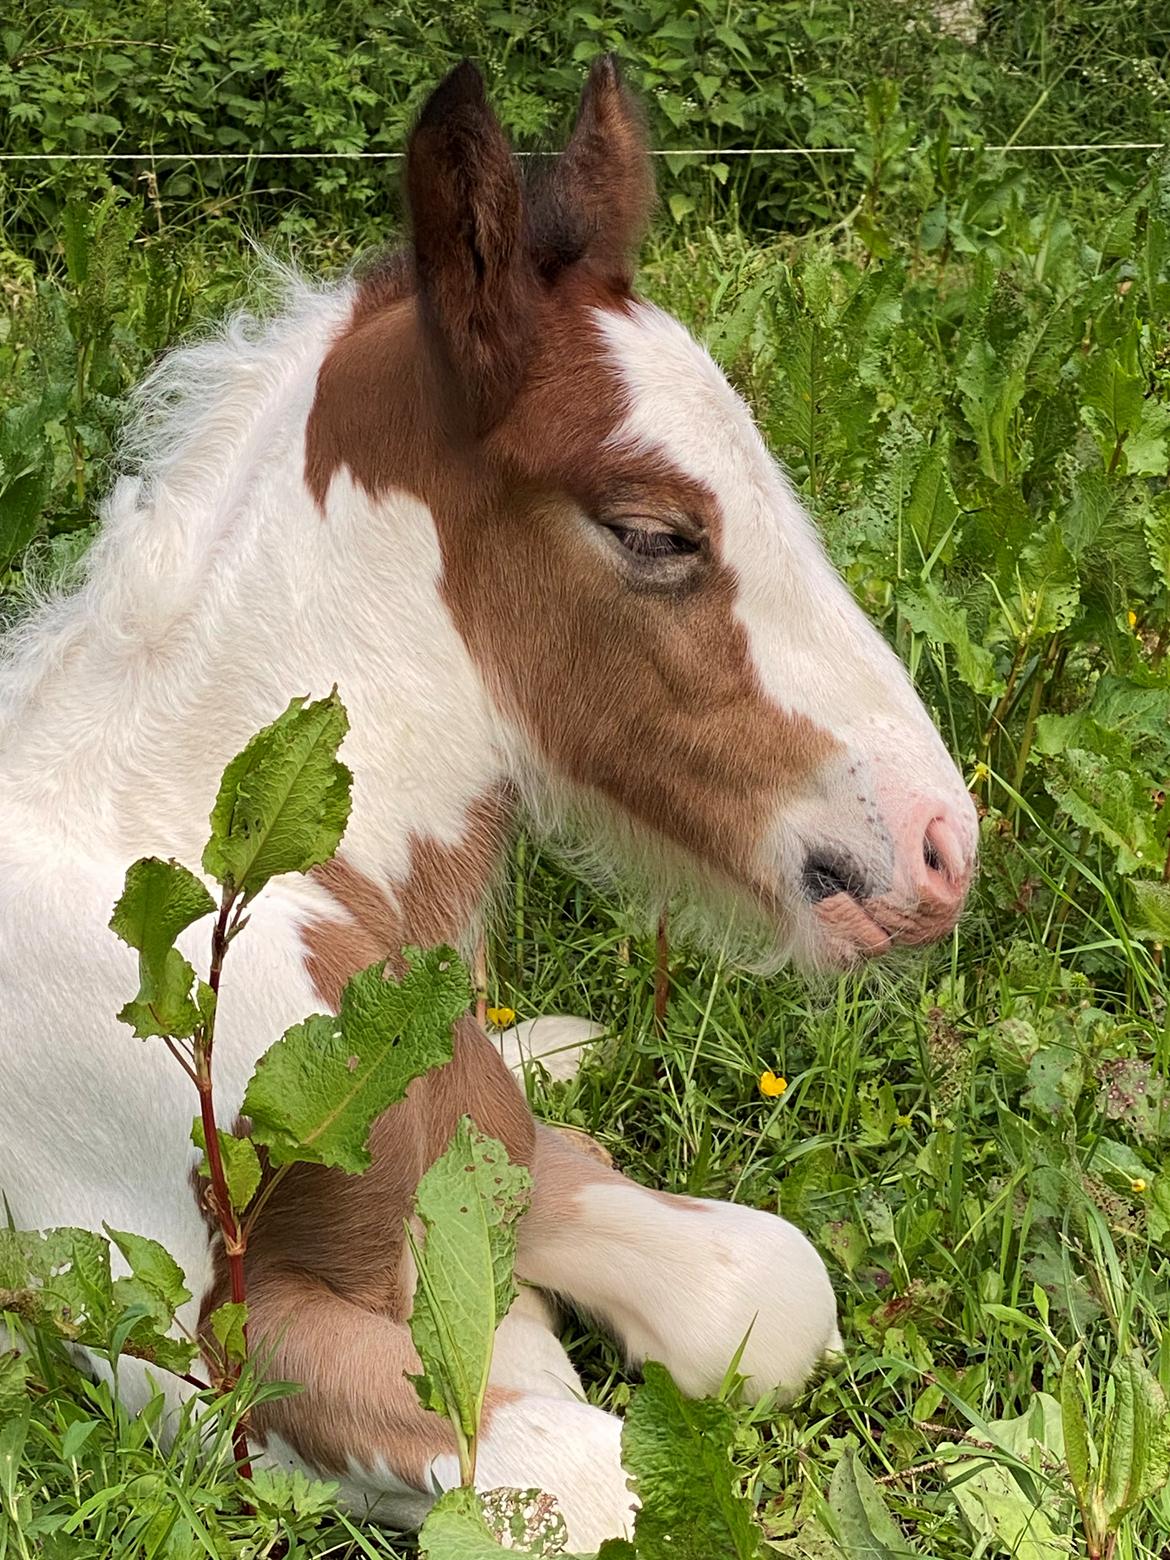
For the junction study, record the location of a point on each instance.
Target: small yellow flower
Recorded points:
(771, 1087)
(979, 774)
(1131, 618)
(502, 1018)
(903, 1121)
(1138, 1185)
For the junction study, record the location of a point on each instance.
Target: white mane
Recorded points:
(201, 426)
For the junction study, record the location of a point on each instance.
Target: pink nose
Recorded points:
(935, 856)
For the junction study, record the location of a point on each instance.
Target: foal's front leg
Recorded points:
(682, 1280)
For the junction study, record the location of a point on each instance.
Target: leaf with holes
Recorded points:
(457, 1529)
(61, 1279)
(284, 802)
(469, 1202)
(316, 1093)
(160, 900)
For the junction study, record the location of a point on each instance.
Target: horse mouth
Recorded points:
(850, 922)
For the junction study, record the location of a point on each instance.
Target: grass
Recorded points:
(972, 1137)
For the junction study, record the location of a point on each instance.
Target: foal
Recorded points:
(521, 520)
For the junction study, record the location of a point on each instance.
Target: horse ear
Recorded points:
(597, 200)
(471, 256)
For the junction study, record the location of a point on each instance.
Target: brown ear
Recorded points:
(595, 202)
(470, 245)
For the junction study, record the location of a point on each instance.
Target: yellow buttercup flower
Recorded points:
(771, 1086)
(1137, 1185)
(502, 1018)
(1131, 618)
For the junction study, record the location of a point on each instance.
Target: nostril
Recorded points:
(826, 875)
(943, 854)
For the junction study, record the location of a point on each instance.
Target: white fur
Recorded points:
(555, 1043)
(686, 1280)
(216, 591)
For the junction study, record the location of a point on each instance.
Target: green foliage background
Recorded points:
(964, 359)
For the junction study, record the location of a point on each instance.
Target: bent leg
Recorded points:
(681, 1280)
(358, 1419)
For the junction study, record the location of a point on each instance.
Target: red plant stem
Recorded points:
(235, 1238)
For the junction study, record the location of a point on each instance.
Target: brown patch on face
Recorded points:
(648, 698)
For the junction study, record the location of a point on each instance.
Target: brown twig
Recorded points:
(661, 973)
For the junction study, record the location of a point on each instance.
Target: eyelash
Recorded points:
(654, 544)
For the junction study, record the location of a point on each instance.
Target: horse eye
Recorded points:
(654, 544)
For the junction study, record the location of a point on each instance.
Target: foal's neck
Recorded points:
(220, 590)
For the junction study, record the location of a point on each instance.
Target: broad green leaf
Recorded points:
(991, 386)
(316, 1092)
(227, 1323)
(1076, 1431)
(21, 504)
(942, 622)
(1147, 448)
(1156, 526)
(1004, 1497)
(679, 1453)
(60, 1279)
(1049, 585)
(160, 900)
(932, 508)
(284, 802)
(728, 337)
(14, 1373)
(469, 1202)
(863, 1525)
(1056, 1076)
(1136, 1453)
(1158, 1210)
(1111, 400)
(152, 1265)
(241, 1163)
(1113, 804)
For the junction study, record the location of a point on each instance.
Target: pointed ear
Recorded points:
(470, 245)
(595, 202)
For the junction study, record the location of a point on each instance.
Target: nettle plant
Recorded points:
(282, 807)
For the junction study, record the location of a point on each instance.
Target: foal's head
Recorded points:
(669, 648)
